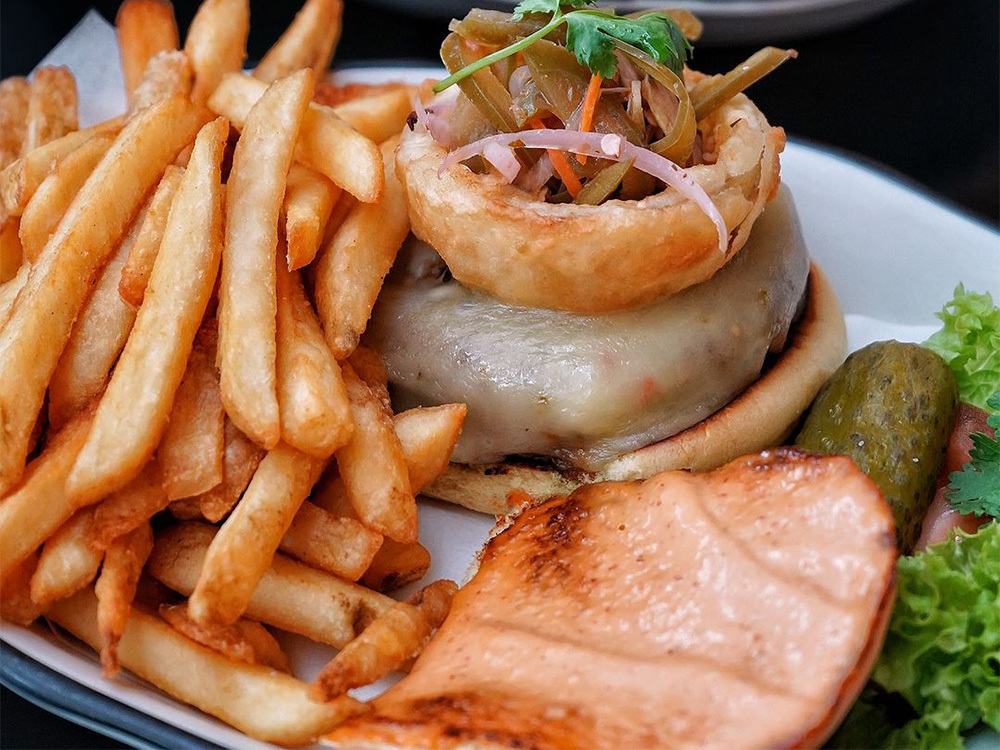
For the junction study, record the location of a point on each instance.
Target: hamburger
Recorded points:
(604, 265)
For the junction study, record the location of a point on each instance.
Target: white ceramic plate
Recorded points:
(893, 253)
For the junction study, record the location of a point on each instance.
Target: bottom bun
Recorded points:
(762, 416)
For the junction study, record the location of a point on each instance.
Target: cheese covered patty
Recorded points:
(585, 389)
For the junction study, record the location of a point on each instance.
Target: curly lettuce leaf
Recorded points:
(941, 653)
(969, 341)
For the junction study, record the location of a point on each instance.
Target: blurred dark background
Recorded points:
(915, 90)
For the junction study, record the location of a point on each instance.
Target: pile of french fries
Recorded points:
(194, 446)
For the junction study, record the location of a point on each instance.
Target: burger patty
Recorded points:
(585, 389)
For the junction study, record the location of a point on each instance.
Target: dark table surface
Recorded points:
(915, 90)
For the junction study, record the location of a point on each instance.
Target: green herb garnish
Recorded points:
(590, 36)
(976, 488)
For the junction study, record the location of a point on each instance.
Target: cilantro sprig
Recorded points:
(976, 488)
(590, 36)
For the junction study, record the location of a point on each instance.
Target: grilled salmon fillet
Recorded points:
(734, 609)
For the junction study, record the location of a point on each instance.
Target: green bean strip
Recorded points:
(678, 141)
(496, 28)
(597, 190)
(483, 89)
(712, 93)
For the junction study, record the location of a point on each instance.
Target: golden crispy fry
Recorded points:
(47, 206)
(40, 321)
(129, 507)
(308, 42)
(379, 116)
(341, 546)
(396, 565)
(330, 94)
(20, 179)
(326, 143)
(51, 107)
(309, 200)
(15, 594)
(97, 338)
(393, 637)
(167, 74)
(240, 460)
(68, 562)
(14, 95)
(115, 589)
(186, 509)
(216, 43)
(241, 552)
(133, 413)
(38, 505)
(290, 596)
(247, 302)
(350, 270)
(9, 291)
(190, 453)
(373, 467)
(135, 274)
(257, 700)
(245, 640)
(11, 254)
(312, 400)
(145, 28)
(368, 366)
(428, 436)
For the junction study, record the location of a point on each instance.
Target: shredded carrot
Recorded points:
(561, 164)
(589, 107)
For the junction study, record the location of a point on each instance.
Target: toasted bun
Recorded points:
(762, 416)
(590, 259)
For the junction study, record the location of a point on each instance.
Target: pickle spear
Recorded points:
(891, 407)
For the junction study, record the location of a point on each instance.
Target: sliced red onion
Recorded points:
(436, 125)
(590, 144)
(503, 160)
(540, 173)
(518, 79)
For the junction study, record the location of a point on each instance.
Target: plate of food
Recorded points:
(553, 399)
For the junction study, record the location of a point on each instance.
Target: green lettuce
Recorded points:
(969, 341)
(939, 671)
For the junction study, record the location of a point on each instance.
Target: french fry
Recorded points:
(326, 143)
(97, 338)
(15, 594)
(247, 302)
(115, 589)
(349, 271)
(11, 254)
(373, 467)
(127, 509)
(67, 563)
(396, 565)
(309, 200)
(9, 291)
(312, 401)
(308, 42)
(341, 546)
(20, 179)
(241, 553)
(14, 95)
(428, 435)
(216, 43)
(330, 94)
(135, 274)
(379, 116)
(393, 637)
(244, 641)
(51, 107)
(145, 28)
(39, 504)
(191, 451)
(240, 460)
(40, 321)
(133, 413)
(167, 74)
(290, 596)
(368, 366)
(187, 509)
(48, 205)
(257, 700)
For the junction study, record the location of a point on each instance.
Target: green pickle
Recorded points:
(891, 407)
